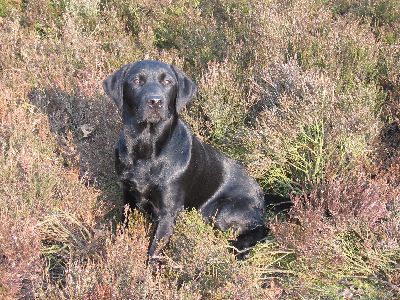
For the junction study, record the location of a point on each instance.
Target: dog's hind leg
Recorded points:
(246, 220)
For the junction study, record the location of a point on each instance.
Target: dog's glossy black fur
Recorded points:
(164, 168)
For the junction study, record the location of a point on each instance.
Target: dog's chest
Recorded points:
(145, 176)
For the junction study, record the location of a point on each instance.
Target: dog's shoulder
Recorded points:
(181, 137)
(178, 150)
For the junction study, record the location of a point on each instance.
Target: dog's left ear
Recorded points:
(113, 85)
(186, 89)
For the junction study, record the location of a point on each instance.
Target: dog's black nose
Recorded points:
(154, 101)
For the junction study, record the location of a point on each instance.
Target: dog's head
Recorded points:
(149, 91)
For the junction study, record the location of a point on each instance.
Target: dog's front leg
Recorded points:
(164, 230)
(129, 204)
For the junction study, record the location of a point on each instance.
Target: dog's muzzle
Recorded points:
(154, 109)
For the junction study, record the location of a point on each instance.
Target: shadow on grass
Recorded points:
(86, 130)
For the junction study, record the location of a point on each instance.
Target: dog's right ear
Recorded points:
(113, 85)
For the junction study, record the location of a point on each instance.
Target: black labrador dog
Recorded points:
(164, 168)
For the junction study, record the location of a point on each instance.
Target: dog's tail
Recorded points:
(278, 204)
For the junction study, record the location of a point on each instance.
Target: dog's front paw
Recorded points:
(156, 263)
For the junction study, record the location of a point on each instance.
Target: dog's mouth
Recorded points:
(153, 119)
(153, 116)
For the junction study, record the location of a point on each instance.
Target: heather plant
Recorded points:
(303, 125)
(203, 262)
(304, 93)
(347, 233)
(379, 13)
(219, 111)
(93, 266)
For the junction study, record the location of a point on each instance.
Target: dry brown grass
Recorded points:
(305, 93)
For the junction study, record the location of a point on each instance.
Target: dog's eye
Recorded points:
(137, 81)
(167, 82)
